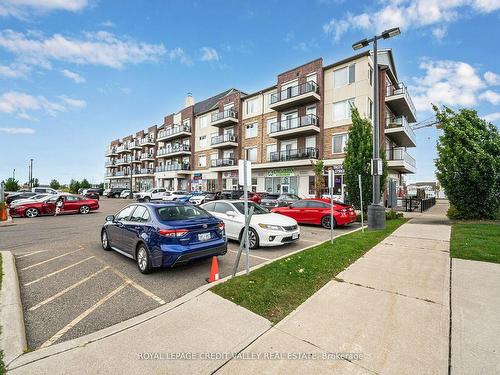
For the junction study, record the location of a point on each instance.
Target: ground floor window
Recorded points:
(285, 184)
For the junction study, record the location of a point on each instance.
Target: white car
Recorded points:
(37, 197)
(151, 194)
(125, 194)
(174, 195)
(266, 228)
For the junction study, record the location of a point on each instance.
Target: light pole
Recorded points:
(30, 182)
(376, 212)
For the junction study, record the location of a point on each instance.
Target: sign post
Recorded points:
(361, 202)
(331, 184)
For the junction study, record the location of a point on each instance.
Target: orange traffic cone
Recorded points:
(3, 213)
(214, 270)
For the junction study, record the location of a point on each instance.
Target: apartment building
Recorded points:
(304, 116)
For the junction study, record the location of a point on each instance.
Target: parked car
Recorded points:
(318, 211)
(254, 197)
(113, 192)
(266, 229)
(163, 234)
(151, 195)
(35, 197)
(278, 200)
(174, 195)
(92, 194)
(231, 194)
(204, 197)
(19, 195)
(47, 206)
(46, 190)
(125, 193)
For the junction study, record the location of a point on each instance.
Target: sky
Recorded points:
(76, 74)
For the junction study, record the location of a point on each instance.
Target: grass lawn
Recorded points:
(2, 365)
(275, 290)
(474, 241)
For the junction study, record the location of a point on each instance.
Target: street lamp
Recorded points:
(376, 212)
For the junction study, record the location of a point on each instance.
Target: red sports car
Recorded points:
(317, 211)
(47, 206)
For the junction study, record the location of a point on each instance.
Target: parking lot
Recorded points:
(70, 287)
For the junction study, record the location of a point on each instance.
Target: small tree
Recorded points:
(35, 182)
(11, 184)
(54, 184)
(74, 186)
(84, 184)
(468, 163)
(319, 179)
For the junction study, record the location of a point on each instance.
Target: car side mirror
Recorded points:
(110, 218)
(231, 213)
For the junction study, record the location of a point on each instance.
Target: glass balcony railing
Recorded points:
(400, 89)
(294, 123)
(294, 91)
(173, 167)
(399, 153)
(229, 113)
(173, 130)
(226, 162)
(218, 139)
(173, 149)
(401, 121)
(295, 154)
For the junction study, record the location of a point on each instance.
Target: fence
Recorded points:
(418, 204)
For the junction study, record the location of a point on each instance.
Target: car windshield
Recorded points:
(257, 210)
(150, 190)
(38, 196)
(170, 213)
(272, 196)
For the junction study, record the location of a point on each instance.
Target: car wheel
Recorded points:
(105, 240)
(253, 238)
(325, 222)
(84, 210)
(143, 261)
(146, 199)
(31, 212)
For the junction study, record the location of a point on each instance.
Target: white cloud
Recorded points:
(21, 104)
(107, 24)
(209, 54)
(492, 79)
(491, 117)
(14, 70)
(490, 96)
(410, 14)
(75, 77)
(17, 130)
(22, 8)
(439, 32)
(179, 54)
(93, 48)
(450, 83)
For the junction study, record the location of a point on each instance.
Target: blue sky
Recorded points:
(75, 74)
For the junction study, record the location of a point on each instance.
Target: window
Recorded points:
(202, 161)
(125, 213)
(370, 75)
(169, 213)
(257, 210)
(311, 78)
(251, 106)
(344, 76)
(252, 154)
(185, 122)
(270, 150)
(251, 130)
(318, 204)
(203, 141)
(222, 208)
(203, 122)
(300, 204)
(370, 109)
(311, 142)
(342, 110)
(268, 124)
(268, 97)
(140, 215)
(209, 207)
(339, 143)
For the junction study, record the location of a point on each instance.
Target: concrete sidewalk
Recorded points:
(391, 306)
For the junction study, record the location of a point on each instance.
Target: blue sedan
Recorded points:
(163, 234)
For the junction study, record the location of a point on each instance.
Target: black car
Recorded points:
(115, 192)
(212, 196)
(278, 200)
(12, 197)
(92, 194)
(231, 194)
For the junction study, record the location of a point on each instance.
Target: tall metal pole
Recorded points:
(245, 197)
(31, 174)
(14, 174)
(376, 128)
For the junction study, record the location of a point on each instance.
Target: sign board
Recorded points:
(331, 178)
(338, 168)
(197, 176)
(242, 165)
(283, 172)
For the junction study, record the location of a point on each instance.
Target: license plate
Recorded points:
(204, 236)
(295, 236)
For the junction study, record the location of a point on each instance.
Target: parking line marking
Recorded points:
(49, 260)
(24, 255)
(50, 299)
(56, 272)
(139, 287)
(254, 256)
(82, 316)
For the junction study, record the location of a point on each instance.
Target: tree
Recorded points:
(35, 182)
(54, 184)
(319, 179)
(357, 161)
(11, 184)
(74, 186)
(84, 184)
(468, 164)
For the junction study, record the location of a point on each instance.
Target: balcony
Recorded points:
(224, 118)
(177, 149)
(136, 145)
(121, 174)
(398, 129)
(109, 174)
(147, 156)
(215, 163)
(172, 132)
(224, 141)
(304, 125)
(110, 164)
(400, 160)
(135, 159)
(296, 154)
(123, 161)
(144, 172)
(399, 101)
(111, 151)
(122, 149)
(294, 96)
(173, 167)
(147, 141)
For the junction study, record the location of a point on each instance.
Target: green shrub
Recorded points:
(392, 215)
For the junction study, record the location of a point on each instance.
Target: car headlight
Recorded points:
(271, 227)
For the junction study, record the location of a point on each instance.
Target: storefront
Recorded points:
(204, 181)
(285, 180)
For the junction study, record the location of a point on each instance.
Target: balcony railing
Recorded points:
(399, 153)
(110, 174)
(122, 161)
(109, 163)
(400, 121)
(400, 89)
(173, 130)
(181, 147)
(173, 167)
(146, 171)
(146, 141)
(135, 159)
(222, 162)
(294, 123)
(296, 154)
(111, 151)
(148, 155)
(121, 173)
(122, 148)
(229, 113)
(293, 91)
(218, 139)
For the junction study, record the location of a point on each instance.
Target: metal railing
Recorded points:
(400, 121)
(418, 204)
(294, 123)
(223, 139)
(122, 173)
(399, 153)
(173, 167)
(147, 156)
(122, 161)
(145, 171)
(180, 147)
(109, 163)
(400, 88)
(293, 91)
(295, 154)
(222, 162)
(146, 140)
(172, 130)
(228, 113)
(111, 150)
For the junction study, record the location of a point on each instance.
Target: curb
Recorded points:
(7, 223)
(13, 335)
